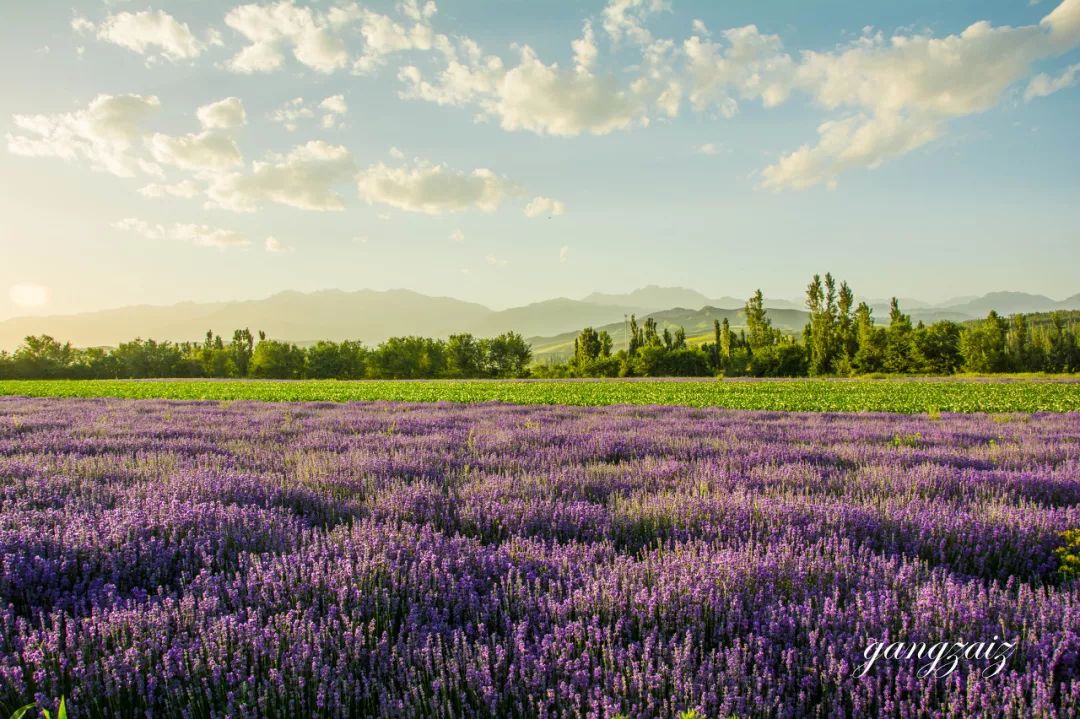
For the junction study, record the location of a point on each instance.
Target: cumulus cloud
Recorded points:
(540, 206)
(313, 38)
(434, 189)
(304, 178)
(333, 109)
(290, 113)
(104, 134)
(153, 33)
(853, 142)
(899, 94)
(275, 246)
(222, 115)
(198, 235)
(534, 96)
(1042, 84)
(625, 19)
(209, 150)
(745, 63)
(384, 36)
(318, 40)
(886, 96)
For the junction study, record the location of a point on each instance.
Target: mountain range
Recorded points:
(372, 316)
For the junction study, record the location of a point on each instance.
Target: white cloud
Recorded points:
(314, 38)
(434, 189)
(709, 148)
(185, 189)
(396, 153)
(29, 294)
(897, 95)
(853, 142)
(496, 261)
(1064, 25)
(625, 19)
(222, 115)
(1042, 84)
(334, 108)
(585, 50)
(304, 178)
(275, 246)
(746, 63)
(209, 150)
(540, 206)
(533, 96)
(547, 98)
(198, 235)
(457, 236)
(154, 33)
(541, 98)
(564, 254)
(102, 134)
(383, 36)
(291, 113)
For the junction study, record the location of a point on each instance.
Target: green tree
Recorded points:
(1062, 353)
(726, 340)
(1019, 345)
(42, 356)
(147, 358)
(508, 355)
(333, 360)
(465, 356)
(983, 346)
(408, 358)
(846, 338)
(899, 342)
(277, 360)
(590, 346)
(870, 340)
(820, 334)
(240, 350)
(760, 332)
(937, 347)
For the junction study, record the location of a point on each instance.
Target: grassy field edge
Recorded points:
(908, 396)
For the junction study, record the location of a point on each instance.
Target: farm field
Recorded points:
(886, 395)
(251, 559)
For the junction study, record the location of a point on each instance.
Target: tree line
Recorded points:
(458, 356)
(840, 339)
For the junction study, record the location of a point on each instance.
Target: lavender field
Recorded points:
(244, 559)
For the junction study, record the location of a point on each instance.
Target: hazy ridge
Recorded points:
(372, 316)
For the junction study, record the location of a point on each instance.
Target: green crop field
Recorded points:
(887, 395)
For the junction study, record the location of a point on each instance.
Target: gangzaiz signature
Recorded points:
(942, 658)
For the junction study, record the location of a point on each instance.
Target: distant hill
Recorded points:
(330, 314)
(1007, 303)
(653, 297)
(549, 317)
(697, 323)
(371, 316)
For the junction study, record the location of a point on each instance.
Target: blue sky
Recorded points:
(922, 149)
